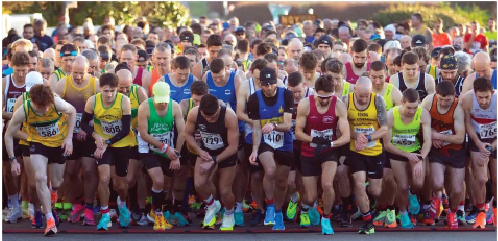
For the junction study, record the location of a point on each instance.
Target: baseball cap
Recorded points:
(68, 50)
(268, 76)
(142, 55)
(435, 52)
(187, 35)
(226, 25)
(324, 39)
(418, 40)
(33, 78)
(392, 44)
(240, 29)
(160, 90)
(448, 62)
(374, 37)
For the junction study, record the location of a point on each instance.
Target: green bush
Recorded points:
(451, 16)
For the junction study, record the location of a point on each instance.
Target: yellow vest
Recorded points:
(365, 122)
(107, 121)
(49, 129)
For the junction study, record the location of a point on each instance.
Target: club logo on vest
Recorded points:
(227, 92)
(328, 119)
(186, 91)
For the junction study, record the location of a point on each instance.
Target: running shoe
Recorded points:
(304, 220)
(14, 215)
(460, 215)
(66, 211)
(37, 221)
(489, 215)
(210, 216)
(355, 212)
(254, 205)
(379, 221)
(89, 219)
(31, 210)
(451, 221)
(51, 228)
(219, 216)
(165, 223)
(314, 216)
(227, 223)
(239, 219)
(105, 222)
(292, 209)
(25, 211)
(143, 220)
(270, 215)
(76, 213)
(435, 207)
(405, 221)
(245, 207)
(471, 217)
(390, 221)
(180, 220)
(326, 227)
(151, 216)
(494, 217)
(279, 222)
(158, 222)
(113, 215)
(428, 218)
(414, 205)
(480, 220)
(53, 199)
(256, 219)
(367, 229)
(345, 219)
(124, 217)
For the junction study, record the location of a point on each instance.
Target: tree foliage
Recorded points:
(170, 13)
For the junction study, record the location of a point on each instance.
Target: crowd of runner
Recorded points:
(314, 123)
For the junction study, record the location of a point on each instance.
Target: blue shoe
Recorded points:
(124, 217)
(270, 215)
(279, 221)
(414, 205)
(38, 220)
(257, 217)
(406, 222)
(239, 219)
(181, 219)
(326, 227)
(314, 216)
(471, 217)
(56, 218)
(105, 222)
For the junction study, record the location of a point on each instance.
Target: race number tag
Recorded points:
(447, 132)
(48, 131)
(404, 140)
(488, 130)
(327, 134)
(293, 129)
(211, 141)
(77, 126)
(166, 138)
(274, 139)
(143, 146)
(111, 128)
(366, 132)
(9, 106)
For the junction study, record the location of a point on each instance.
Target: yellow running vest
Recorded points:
(107, 121)
(60, 74)
(345, 88)
(365, 122)
(191, 105)
(24, 128)
(135, 103)
(49, 129)
(388, 100)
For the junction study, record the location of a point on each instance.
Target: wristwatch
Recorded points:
(369, 138)
(107, 142)
(214, 159)
(11, 159)
(275, 126)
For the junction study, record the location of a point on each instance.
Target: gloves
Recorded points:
(321, 144)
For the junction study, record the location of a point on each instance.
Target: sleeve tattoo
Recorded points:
(380, 105)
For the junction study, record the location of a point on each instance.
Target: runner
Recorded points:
(76, 88)
(214, 44)
(448, 67)
(129, 55)
(480, 107)
(180, 79)
(407, 152)
(67, 54)
(270, 110)
(161, 62)
(218, 128)
(318, 116)
(295, 49)
(482, 67)
(411, 77)
(367, 125)
(335, 68)
(111, 113)
(448, 134)
(156, 118)
(49, 121)
(358, 65)
(307, 66)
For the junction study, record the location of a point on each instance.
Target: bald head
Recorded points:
(482, 65)
(79, 69)
(49, 54)
(295, 49)
(80, 61)
(124, 76)
(482, 57)
(364, 84)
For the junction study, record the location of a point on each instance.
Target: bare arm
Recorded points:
(256, 135)
(5, 115)
(190, 128)
(143, 125)
(302, 114)
(52, 81)
(430, 84)
(180, 126)
(232, 136)
(59, 87)
(197, 71)
(467, 103)
(459, 127)
(286, 125)
(146, 85)
(184, 107)
(343, 124)
(142, 95)
(468, 83)
(204, 77)
(396, 95)
(13, 127)
(426, 131)
(382, 116)
(241, 103)
(387, 138)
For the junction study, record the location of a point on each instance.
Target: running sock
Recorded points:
(328, 216)
(481, 207)
(14, 200)
(209, 201)
(89, 206)
(104, 210)
(270, 202)
(304, 208)
(367, 217)
(294, 197)
(426, 205)
(382, 207)
(238, 208)
(461, 207)
(402, 212)
(391, 207)
(438, 195)
(157, 199)
(121, 204)
(229, 211)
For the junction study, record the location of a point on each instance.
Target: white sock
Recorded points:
(229, 212)
(50, 188)
(294, 197)
(209, 199)
(238, 208)
(425, 206)
(49, 215)
(156, 191)
(461, 207)
(402, 212)
(121, 204)
(14, 200)
(104, 208)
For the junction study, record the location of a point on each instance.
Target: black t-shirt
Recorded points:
(46, 42)
(253, 103)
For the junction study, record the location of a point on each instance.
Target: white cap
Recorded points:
(392, 44)
(33, 78)
(390, 27)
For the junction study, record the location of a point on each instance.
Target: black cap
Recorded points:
(68, 50)
(240, 29)
(418, 40)
(142, 55)
(435, 52)
(448, 62)
(187, 35)
(268, 76)
(120, 67)
(324, 39)
(457, 48)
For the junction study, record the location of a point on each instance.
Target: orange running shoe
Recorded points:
(451, 221)
(53, 197)
(254, 205)
(494, 217)
(51, 228)
(480, 220)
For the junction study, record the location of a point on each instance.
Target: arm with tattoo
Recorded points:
(380, 105)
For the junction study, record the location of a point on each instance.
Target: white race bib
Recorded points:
(166, 138)
(212, 141)
(143, 146)
(274, 139)
(48, 131)
(447, 132)
(327, 134)
(404, 140)
(111, 128)
(366, 132)
(77, 126)
(488, 130)
(9, 106)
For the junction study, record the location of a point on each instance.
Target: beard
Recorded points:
(359, 66)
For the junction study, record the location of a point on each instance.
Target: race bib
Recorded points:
(77, 126)
(293, 129)
(212, 141)
(111, 128)
(447, 132)
(327, 134)
(166, 138)
(48, 131)
(9, 106)
(274, 139)
(143, 146)
(488, 130)
(366, 132)
(404, 140)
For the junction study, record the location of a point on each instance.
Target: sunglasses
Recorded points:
(324, 97)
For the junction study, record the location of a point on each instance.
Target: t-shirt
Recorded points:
(253, 103)
(439, 40)
(46, 42)
(491, 35)
(480, 42)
